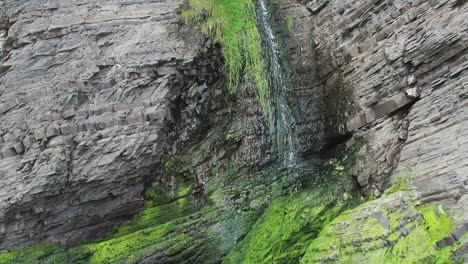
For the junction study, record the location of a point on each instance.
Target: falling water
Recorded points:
(282, 121)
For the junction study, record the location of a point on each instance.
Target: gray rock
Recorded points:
(360, 57)
(28, 141)
(449, 240)
(8, 152)
(134, 119)
(459, 232)
(5, 107)
(52, 62)
(68, 129)
(316, 5)
(53, 131)
(8, 136)
(413, 93)
(19, 147)
(68, 114)
(40, 133)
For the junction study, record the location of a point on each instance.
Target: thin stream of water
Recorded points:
(282, 121)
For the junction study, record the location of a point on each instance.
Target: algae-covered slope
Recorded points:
(300, 229)
(388, 230)
(291, 223)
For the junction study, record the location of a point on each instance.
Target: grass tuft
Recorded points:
(233, 25)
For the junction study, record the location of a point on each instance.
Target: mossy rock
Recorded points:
(388, 230)
(291, 223)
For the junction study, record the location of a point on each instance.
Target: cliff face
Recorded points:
(111, 109)
(88, 93)
(405, 62)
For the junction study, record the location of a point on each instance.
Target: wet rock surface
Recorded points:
(405, 64)
(114, 109)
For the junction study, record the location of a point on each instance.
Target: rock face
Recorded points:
(87, 92)
(110, 109)
(405, 63)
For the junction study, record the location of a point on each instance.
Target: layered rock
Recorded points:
(405, 64)
(88, 98)
(95, 98)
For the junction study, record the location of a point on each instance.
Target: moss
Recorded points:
(291, 223)
(166, 226)
(151, 216)
(171, 242)
(30, 254)
(46, 253)
(178, 229)
(233, 25)
(289, 20)
(387, 230)
(437, 223)
(402, 182)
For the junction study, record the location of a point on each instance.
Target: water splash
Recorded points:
(281, 119)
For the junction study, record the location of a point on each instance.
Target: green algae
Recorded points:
(292, 222)
(402, 183)
(436, 221)
(287, 226)
(168, 240)
(171, 242)
(45, 253)
(388, 230)
(169, 227)
(289, 20)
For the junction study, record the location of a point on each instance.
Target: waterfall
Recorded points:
(281, 119)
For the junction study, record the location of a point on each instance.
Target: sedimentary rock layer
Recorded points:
(87, 92)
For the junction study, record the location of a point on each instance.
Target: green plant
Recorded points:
(233, 25)
(289, 19)
(401, 183)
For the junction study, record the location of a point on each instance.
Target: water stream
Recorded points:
(282, 121)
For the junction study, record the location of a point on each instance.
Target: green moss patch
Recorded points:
(46, 253)
(292, 222)
(402, 183)
(171, 228)
(388, 230)
(436, 222)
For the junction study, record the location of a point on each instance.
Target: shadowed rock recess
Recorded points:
(233, 131)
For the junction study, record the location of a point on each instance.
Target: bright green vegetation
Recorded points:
(436, 222)
(258, 218)
(47, 253)
(402, 183)
(387, 230)
(183, 240)
(292, 222)
(158, 214)
(289, 19)
(175, 230)
(233, 25)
